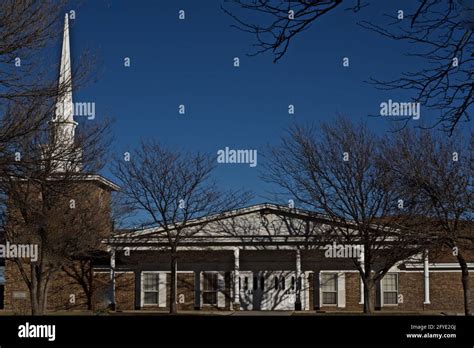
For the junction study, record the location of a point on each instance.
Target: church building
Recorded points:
(248, 259)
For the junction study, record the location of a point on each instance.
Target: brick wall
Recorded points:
(64, 293)
(125, 291)
(446, 291)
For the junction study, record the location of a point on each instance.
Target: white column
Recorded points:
(298, 263)
(236, 279)
(298, 283)
(112, 275)
(362, 264)
(426, 272)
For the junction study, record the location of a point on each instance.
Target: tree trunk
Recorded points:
(465, 284)
(174, 281)
(89, 286)
(35, 310)
(369, 283)
(368, 302)
(36, 293)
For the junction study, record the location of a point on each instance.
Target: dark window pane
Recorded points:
(209, 298)
(151, 298)
(328, 282)
(390, 298)
(329, 298)
(210, 282)
(150, 281)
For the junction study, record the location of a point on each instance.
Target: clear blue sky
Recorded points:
(190, 62)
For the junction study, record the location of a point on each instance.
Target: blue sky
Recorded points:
(190, 62)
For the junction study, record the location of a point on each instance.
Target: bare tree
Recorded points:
(281, 20)
(29, 29)
(173, 188)
(49, 201)
(444, 43)
(338, 172)
(441, 36)
(440, 171)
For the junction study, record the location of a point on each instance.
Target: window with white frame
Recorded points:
(150, 288)
(329, 288)
(209, 288)
(390, 289)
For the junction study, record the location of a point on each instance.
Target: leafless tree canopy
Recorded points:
(277, 27)
(54, 209)
(435, 28)
(445, 46)
(29, 29)
(439, 174)
(173, 188)
(340, 172)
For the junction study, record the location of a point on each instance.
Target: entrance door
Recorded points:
(270, 290)
(253, 287)
(281, 293)
(246, 290)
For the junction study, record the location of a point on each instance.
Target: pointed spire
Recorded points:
(62, 125)
(63, 120)
(64, 106)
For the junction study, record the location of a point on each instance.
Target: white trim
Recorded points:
(112, 273)
(162, 289)
(426, 279)
(221, 290)
(341, 290)
(236, 277)
(361, 282)
(440, 265)
(307, 285)
(241, 211)
(101, 179)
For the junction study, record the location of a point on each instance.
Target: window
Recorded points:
(292, 283)
(209, 289)
(282, 282)
(276, 283)
(262, 282)
(329, 288)
(255, 282)
(246, 283)
(390, 289)
(150, 288)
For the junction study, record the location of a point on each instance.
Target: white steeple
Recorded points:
(63, 123)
